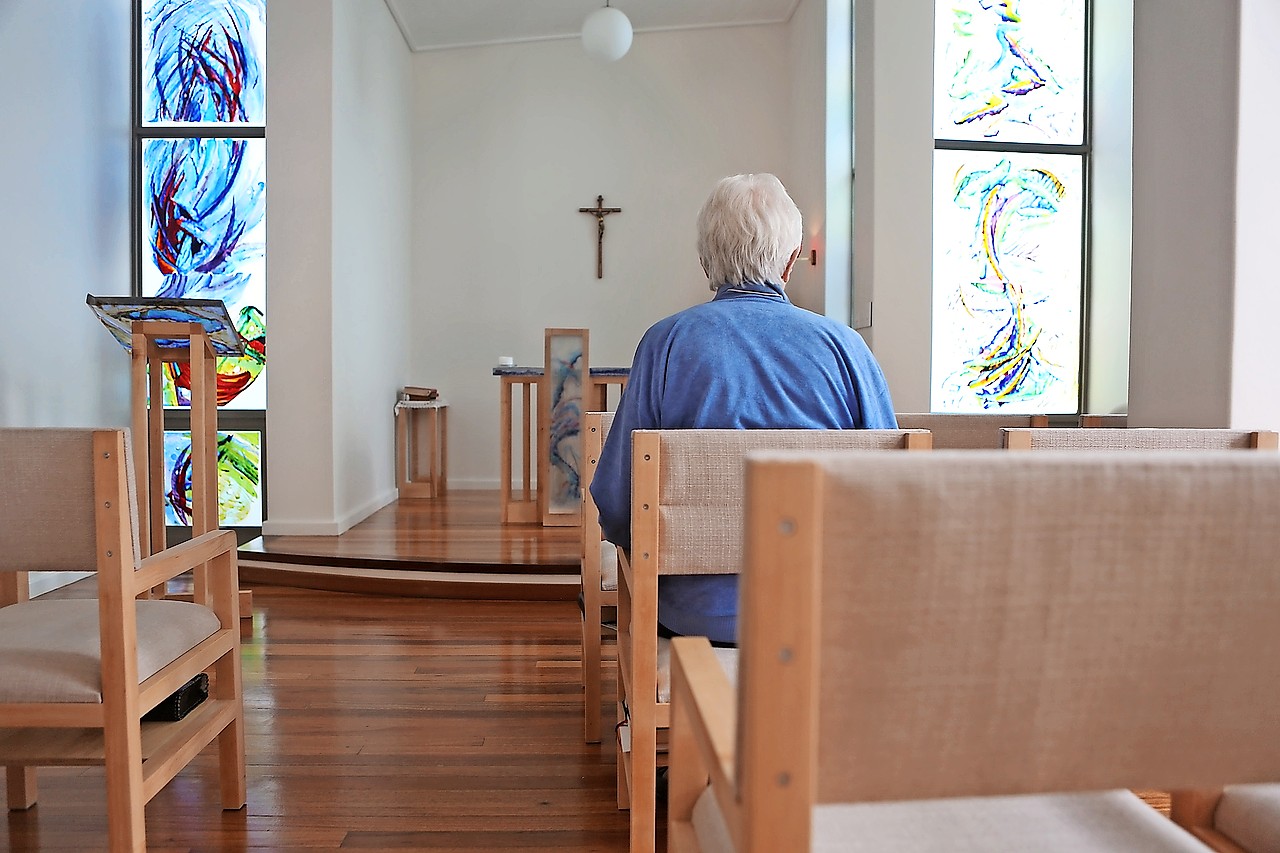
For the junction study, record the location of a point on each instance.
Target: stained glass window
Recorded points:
(203, 61)
(204, 211)
(1009, 170)
(239, 478)
(1010, 70)
(200, 161)
(1006, 281)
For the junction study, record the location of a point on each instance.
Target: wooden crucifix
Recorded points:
(599, 212)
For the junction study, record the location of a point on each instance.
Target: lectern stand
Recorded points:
(155, 331)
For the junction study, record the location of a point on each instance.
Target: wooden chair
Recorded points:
(686, 518)
(76, 676)
(1231, 820)
(1138, 439)
(910, 666)
(599, 575)
(967, 432)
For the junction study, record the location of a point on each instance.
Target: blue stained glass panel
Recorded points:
(204, 62)
(1007, 283)
(1010, 70)
(204, 208)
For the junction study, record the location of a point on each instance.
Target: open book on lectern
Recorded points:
(118, 313)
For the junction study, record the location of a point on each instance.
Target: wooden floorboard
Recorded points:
(379, 723)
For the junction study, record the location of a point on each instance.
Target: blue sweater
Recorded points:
(748, 359)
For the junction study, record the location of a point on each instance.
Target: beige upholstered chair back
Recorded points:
(1137, 439)
(700, 505)
(967, 432)
(47, 520)
(998, 623)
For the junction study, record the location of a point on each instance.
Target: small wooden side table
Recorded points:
(422, 448)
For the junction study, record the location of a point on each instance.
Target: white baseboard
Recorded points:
(42, 582)
(328, 528)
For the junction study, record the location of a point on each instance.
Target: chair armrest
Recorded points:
(704, 715)
(171, 562)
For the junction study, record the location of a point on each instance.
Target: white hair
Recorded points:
(747, 229)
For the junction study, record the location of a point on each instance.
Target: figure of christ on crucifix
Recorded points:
(599, 212)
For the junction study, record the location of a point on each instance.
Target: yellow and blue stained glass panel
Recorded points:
(1006, 281)
(1010, 70)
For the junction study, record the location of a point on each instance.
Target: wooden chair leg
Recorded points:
(624, 785)
(22, 787)
(231, 770)
(591, 718)
(231, 762)
(126, 802)
(644, 788)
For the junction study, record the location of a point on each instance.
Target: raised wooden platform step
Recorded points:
(414, 583)
(454, 546)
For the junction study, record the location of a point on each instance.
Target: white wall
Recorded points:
(820, 176)
(64, 210)
(299, 461)
(338, 169)
(893, 189)
(64, 214)
(372, 176)
(1186, 60)
(1111, 200)
(1255, 396)
(511, 140)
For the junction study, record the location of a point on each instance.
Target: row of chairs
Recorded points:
(688, 496)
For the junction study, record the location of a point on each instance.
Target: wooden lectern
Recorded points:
(155, 331)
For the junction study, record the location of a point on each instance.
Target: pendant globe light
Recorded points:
(606, 34)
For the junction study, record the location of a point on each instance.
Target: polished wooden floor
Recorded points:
(379, 723)
(454, 546)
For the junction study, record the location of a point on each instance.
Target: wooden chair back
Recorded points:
(596, 593)
(1138, 439)
(687, 510)
(898, 645)
(967, 432)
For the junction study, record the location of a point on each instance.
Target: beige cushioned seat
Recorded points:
(1250, 816)
(1058, 823)
(42, 661)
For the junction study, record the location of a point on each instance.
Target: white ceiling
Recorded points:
(442, 24)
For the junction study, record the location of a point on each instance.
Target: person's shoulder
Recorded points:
(670, 325)
(831, 327)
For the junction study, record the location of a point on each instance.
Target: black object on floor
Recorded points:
(180, 702)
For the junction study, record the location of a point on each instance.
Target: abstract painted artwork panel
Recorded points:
(118, 313)
(204, 208)
(1010, 70)
(203, 62)
(1007, 233)
(566, 378)
(239, 478)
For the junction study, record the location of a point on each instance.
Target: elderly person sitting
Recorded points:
(748, 359)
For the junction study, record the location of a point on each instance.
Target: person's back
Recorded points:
(748, 359)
